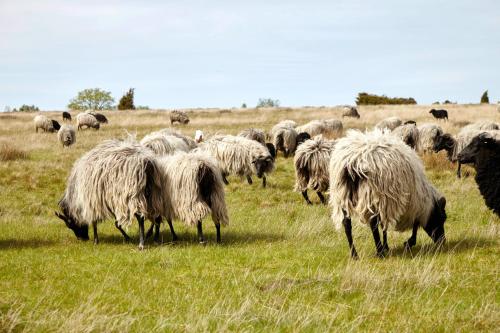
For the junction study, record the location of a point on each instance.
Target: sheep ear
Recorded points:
(485, 137)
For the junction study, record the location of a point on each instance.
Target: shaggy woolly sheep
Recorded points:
(99, 116)
(254, 134)
(179, 116)
(239, 156)
(408, 133)
(46, 124)
(87, 120)
(482, 125)
(116, 179)
(427, 136)
(191, 143)
(379, 179)
(66, 116)
(390, 123)
(311, 167)
(350, 111)
(484, 153)
(193, 186)
(313, 128)
(164, 144)
(66, 135)
(285, 140)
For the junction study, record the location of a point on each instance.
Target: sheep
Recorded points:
(164, 144)
(46, 124)
(239, 156)
(484, 153)
(350, 111)
(193, 186)
(285, 140)
(379, 179)
(439, 114)
(284, 123)
(408, 133)
(254, 134)
(87, 120)
(427, 136)
(333, 127)
(179, 116)
(117, 179)
(313, 128)
(410, 122)
(188, 140)
(390, 123)
(66, 116)
(311, 167)
(99, 116)
(66, 135)
(302, 137)
(482, 125)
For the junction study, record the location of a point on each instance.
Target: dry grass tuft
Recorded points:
(10, 153)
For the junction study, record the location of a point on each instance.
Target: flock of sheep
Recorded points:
(376, 176)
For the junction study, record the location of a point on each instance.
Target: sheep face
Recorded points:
(81, 231)
(443, 142)
(302, 137)
(272, 149)
(263, 165)
(435, 224)
(56, 125)
(481, 143)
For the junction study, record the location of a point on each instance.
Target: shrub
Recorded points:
(127, 101)
(27, 108)
(372, 99)
(244, 105)
(484, 98)
(142, 107)
(9, 153)
(268, 103)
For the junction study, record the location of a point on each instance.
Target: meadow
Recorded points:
(281, 266)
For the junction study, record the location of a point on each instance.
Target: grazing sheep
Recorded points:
(439, 114)
(284, 123)
(116, 179)
(99, 116)
(350, 111)
(193, 186)
(311, 167)
(179, 116)
(239, 156)
(302, 137)
(484, 153)
(46, 124)
(254, 134)
(285, 140)
(87, 120)
(324, 127)
(164, 144)
(482, 125)
(428, 134)
(408, 133)
(188, 140)
(334, 127)
(66, 116)
(66, 135)
(390, 123)
(379, 179)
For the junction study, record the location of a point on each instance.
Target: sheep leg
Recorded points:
(385, 246)
(304, 194)
(321, 197)
(150, 230)
(174, 235)
(374, 222)
(140, 220)
(217, 227)
(348, 232)
(96, 237)
(264, 181)
(224, 175)
(201, 239)
(249, 180)
(127, 238)
(413, 239)
(157, 225)
(458, 170)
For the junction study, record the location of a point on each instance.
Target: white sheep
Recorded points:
(66, 135)
(254, 134)
(379, 179)
(188, 140)
(311, 167)
(179, 116)
(162, 143)
(46, 124)
(350, 111)
(390, 123)
(408, 133)
(116, 179)
(285, 140)
(427, 136)
(87, 120)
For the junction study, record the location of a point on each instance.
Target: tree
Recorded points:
(27, 108)
(268, 103)
(127, 101)
(94, 99)
(244, 105)
(484, 98)
(372, 99)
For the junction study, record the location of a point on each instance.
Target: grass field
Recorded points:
(281, 265)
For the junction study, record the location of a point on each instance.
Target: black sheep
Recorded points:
(100, 118)
(56, 125)
(302, 137)
(439, 114)
(66, 116)
(484, 152)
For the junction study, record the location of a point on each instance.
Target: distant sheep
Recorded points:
(408, 133)
(99, 116)
(46, 124)
(350, 111)
(390, 123)
(66, 116)
(311, 167)
(87, 120)
(115, 180)
(439, 114)
(179, 116)
(254, 134)
(428, 135)
(239, 156)
(484, 153)
(377, 178)
(162, 143)
(66, 135)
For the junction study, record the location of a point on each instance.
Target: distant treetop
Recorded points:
(372, 99)
(94, 99)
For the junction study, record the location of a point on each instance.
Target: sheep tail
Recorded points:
(212, 192)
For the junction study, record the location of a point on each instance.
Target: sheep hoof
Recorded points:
(203, 242)
(141, 247)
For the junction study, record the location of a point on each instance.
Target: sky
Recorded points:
(181, 54)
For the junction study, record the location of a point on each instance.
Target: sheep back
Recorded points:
(311, 164)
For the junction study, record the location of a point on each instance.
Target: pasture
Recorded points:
(281, 266)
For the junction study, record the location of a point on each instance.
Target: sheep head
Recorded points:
(435, 224)
(263, 165)
(482, 142)
(81, 230)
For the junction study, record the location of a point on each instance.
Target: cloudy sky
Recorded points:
(223, 53)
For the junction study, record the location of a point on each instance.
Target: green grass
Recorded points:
(281, 266)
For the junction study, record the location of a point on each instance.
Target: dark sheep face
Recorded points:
(56, 125)
(302, 137)
(272, 149)
(482, 142)
(435, 224)
(263, 165)
(81, 231)
(443, 142)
